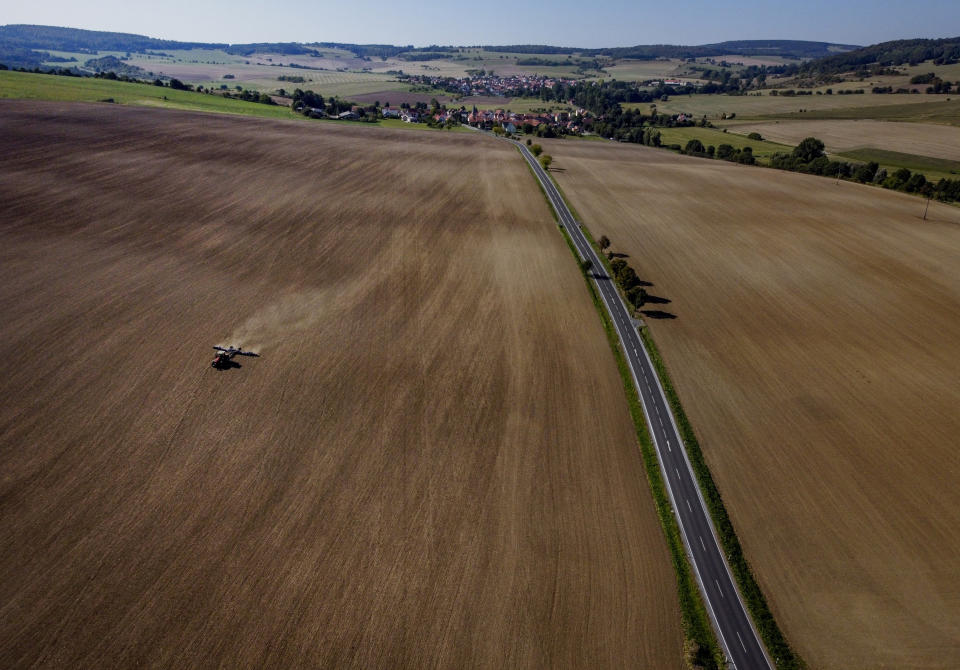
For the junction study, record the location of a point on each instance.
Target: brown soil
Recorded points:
(816, 350)
(431, 464)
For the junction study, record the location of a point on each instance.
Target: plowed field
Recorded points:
(431, 464)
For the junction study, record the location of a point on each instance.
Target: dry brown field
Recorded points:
(431, 464)
(867, 105)
(910, 138)
(816, 349)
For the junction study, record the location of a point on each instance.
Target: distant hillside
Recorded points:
(84, 41)
(17, 41)
(886, 54)
(784, 48)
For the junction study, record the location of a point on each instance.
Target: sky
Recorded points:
(560, 22)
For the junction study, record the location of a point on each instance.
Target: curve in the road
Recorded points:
(729, 616)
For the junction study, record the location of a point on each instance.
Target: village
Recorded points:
(563, 122)
(483, 83)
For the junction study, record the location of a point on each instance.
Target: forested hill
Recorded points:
(84, 41)
(27, 46)
(785, 48)
(23, 38)
(887, 54)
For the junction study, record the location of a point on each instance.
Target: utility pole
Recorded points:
(925, 209)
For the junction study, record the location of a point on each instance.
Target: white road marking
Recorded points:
(720, 591)
(688, 506)
(678, 473)
(741, 641)
(668, 447)
(701, 542)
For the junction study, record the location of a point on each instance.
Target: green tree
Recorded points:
(809, 149)
(637, 296)
(604, 242)
(586, 265)
(536, 149)
(865, 173)
(725, 152)
(546, 160)
(694, 146)
(915, 184)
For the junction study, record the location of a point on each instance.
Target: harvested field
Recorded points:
(839, 136)
(924, 108)
(816, 350)
(432, 463)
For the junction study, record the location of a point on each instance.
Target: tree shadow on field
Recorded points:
(657, 314)
(618, 254)
(657, 300)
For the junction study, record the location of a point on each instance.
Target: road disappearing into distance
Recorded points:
(733, 625)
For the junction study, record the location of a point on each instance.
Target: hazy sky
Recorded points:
(560, 22)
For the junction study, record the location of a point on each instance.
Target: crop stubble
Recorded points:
(816, 352)
(432, 463)
(839, 136)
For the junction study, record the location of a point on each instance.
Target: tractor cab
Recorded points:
(221, 361)
(224, 357)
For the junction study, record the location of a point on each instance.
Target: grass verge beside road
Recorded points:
(701, 648)
(783, 656)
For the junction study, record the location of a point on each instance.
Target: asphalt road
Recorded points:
(731, 621)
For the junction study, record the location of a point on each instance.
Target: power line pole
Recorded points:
(925, 209)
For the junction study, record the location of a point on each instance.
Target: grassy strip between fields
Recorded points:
(783, 656)
(933, 168)
(700, 648)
